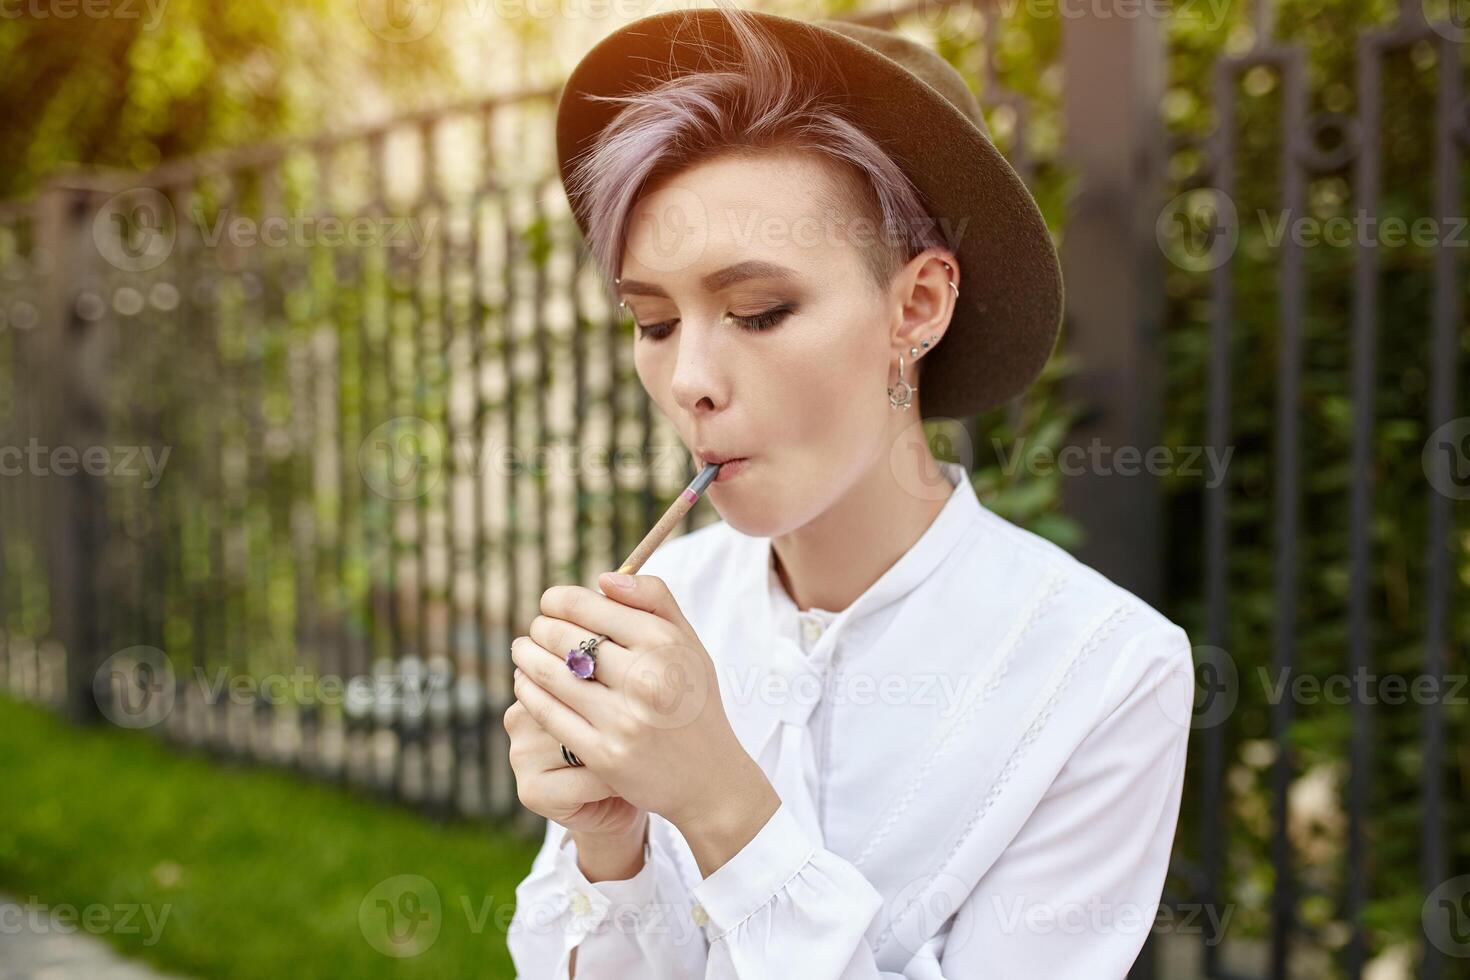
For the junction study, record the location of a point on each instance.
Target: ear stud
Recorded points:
(924, 344)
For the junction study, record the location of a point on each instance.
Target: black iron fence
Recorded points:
(334, 436)
(1326, 209)
(296, 435)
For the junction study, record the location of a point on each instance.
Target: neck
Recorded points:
(833, 559)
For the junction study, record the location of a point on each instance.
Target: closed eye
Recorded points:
(766, 320)
(755, 323)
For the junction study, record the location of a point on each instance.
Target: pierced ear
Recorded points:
(931, 284)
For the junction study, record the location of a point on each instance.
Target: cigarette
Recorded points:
(655, 536)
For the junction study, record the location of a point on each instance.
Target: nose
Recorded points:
(699, 384)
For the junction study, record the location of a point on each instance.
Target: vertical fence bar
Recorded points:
(538, 454)
(473, 740)
(614, 353)
(1113, 271)
(271, 335)
(386, 644)
(1286, 496)
(357, 570)
(174, 433)
(324, 467)
(439, 386)
(1443, 372)
(408, 327)
(11, 396)
(228, 337)
(580, 262)
(1364, 370)
(75, 512)
(1217, 510)
(305, 375)
(505, 802)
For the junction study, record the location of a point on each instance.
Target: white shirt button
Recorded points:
(580, 904)
(811, 629)
(700, 917)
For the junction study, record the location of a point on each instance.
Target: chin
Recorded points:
(751, 525)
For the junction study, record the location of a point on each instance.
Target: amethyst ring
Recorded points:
(582, 658)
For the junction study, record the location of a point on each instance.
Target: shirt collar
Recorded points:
(913, 567)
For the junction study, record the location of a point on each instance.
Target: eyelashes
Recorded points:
(766, 320)
(755, 324)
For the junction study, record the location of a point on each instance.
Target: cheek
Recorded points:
(653, 373)
(841, 376)
(819, 404)
(829, 404)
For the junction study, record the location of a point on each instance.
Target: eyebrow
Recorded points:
(728, 276)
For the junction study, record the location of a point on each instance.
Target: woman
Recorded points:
(860, 727)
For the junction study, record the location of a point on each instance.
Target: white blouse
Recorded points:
(979, 761)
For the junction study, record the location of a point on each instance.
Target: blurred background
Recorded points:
(307, 392)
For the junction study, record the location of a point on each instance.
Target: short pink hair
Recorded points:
(757, 103)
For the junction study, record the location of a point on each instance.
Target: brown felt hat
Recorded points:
(918, 108)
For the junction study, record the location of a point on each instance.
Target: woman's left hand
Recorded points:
(650, 722)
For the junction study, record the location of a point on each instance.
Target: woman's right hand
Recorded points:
(573, 796)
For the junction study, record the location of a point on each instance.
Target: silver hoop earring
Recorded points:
(901, 395)
(951, 282)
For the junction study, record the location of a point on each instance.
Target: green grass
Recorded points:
(260, 874)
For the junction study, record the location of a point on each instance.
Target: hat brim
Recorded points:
(1008, 315)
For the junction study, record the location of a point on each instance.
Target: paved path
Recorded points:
(58, 943)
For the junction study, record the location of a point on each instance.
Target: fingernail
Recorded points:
(621, 581)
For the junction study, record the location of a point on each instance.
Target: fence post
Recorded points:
(1114, 69)
(70, 375)
(1112, 267)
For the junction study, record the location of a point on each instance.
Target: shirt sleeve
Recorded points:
(783, 906)
(639, 926)
(1073, 896)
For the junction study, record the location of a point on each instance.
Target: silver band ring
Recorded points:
(571, 757)
(582, 658)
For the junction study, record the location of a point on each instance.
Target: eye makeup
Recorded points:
(755, 323)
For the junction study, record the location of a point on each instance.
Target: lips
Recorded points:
(707, 457)
(731, 469)
(731, 464)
